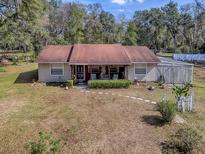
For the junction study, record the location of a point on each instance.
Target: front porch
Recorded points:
(84, 73)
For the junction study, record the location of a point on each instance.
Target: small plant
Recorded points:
(182, 90)
(46, 143)
(167, 109)
(74, 79)
(69, 83)
(183, 141)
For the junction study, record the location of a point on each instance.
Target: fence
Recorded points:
(174, 72)
(184, 103)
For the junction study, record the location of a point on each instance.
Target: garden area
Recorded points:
(39, 118)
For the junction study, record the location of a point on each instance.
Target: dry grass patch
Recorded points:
(85, 122)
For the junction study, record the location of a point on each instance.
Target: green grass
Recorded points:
(2, 69)
(165, 54)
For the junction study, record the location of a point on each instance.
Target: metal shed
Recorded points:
(174, 72)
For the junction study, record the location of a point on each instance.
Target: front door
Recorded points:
(80, 73)
(121, 72)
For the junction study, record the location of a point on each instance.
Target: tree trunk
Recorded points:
(175, 43)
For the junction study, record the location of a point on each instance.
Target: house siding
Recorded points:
(44, 74)
(151, 74)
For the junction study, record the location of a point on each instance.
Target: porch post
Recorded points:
(109, 71)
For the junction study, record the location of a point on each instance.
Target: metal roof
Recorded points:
(99, 54)
(141, 54)
(169, 61)
(55, 53)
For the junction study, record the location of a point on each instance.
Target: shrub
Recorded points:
(182, 90)
(46, 143)
(74, 79)
(69, 83)
(167, 109)
(183, 141)
(184, 49)
(57, 41)
(109, 83)
(15, 60)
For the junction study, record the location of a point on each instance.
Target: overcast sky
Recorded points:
(128, 7)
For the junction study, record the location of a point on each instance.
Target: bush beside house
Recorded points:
(70, 83)
(109, 83)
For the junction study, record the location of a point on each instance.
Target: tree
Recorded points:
(187, 24)
(131, 34)
(150, 28)
(93, 26)
(29, 24)
(75, 24)
(120, 27)
(56, 19)
(192, 26)
(107, 21)
(17, 24)
(171, 19)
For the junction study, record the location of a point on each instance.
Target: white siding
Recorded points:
(150, 76)
(44, 74)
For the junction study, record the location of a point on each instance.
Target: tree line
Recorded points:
(31, 24)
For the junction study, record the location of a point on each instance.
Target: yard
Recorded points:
(86, 122)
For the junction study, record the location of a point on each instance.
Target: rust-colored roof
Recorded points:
(55, 53)
(99, 54)
(96, 54)
(141, 54)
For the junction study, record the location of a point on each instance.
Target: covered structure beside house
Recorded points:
(58, 63)
(174, 72)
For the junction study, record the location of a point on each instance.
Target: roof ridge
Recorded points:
(70, 53)
(125, 50)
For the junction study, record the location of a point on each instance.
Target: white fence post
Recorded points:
(185, 103)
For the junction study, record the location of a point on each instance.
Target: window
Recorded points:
(140, 70)
(113, 70)
(57, 69)
(80, 69)
(93, 69)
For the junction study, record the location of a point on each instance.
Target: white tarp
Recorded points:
(189, 57)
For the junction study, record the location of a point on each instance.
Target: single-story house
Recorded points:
(58, 63)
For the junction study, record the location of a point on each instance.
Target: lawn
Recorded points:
(2, 69)
(85, 122)
(165, 54)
